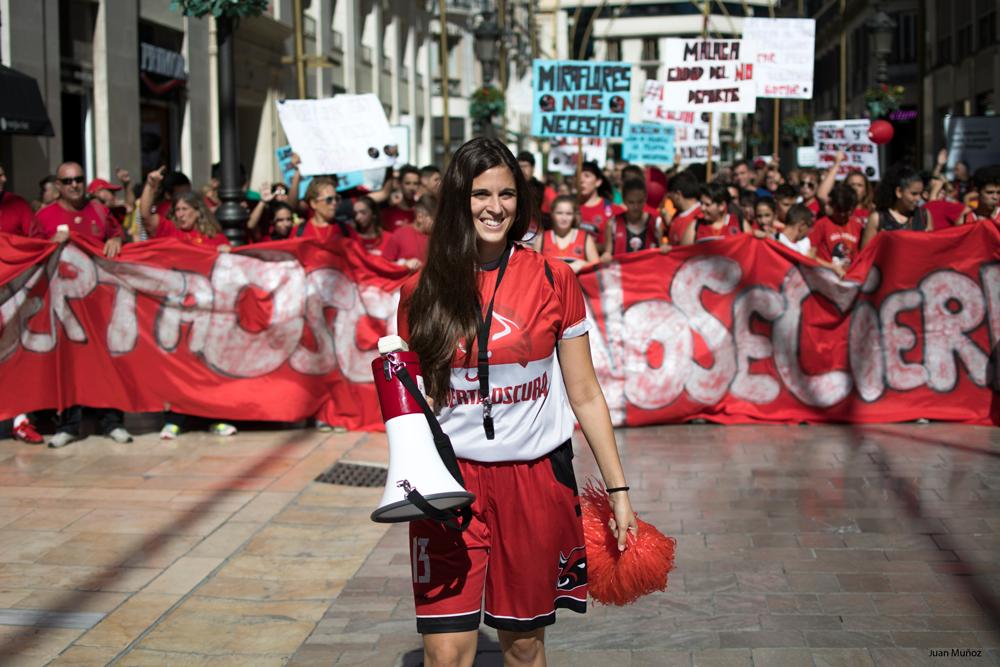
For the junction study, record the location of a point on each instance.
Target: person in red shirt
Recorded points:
(898, 205)
(836, 238)
(370, 235)
(566, 241)
(717, 221)
(636, 229)
(526, 161)
(411, 240)
(596, 207)
(402, 213)
(16, 216)
(74, 214)
(323, 224)
(188, 218)
(765, 219)
(685, 192)
(808, 184)
(515, 457)
(987, 181)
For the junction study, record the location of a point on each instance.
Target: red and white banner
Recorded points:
(736, 330)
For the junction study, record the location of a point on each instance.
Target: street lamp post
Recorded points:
(881, 27)
(230, 214)
(487, 35)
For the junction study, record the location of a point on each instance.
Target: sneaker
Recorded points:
(169, 431)
(62, 438)
(323, 427)
(222, 428)
(120, 435)
(25, 432)
(340, 429)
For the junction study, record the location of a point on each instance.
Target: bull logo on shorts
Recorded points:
(572, 570)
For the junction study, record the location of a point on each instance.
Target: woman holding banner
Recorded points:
(898, 205)
(487, 317)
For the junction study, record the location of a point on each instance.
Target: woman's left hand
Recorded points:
(623, 516)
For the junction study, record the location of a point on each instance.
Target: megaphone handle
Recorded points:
(441, 440)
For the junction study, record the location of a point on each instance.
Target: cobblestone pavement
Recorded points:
(821, 545)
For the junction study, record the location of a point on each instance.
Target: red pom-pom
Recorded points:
(880, 131)
(622, 577)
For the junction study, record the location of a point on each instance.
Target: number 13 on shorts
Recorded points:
(421, 561)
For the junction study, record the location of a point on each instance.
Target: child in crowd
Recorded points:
(717, 222)
(370, 235)
(566, 241)
(836, 237)
(987, 181)
(765, 221)
(596, 207)
(795, 234)
(784, 197)
(898, 204)
(635, 229)
(411, 240)
(685, 192)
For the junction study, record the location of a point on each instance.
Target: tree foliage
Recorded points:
(219, 8)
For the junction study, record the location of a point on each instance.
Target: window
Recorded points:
(942, 43)
(987, 22)
(613, 49)
(651, 50)
(963, 32)
(985, 105)
(904, 49)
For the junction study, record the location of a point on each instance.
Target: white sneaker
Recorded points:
(222, 428)
(120, 435)
(170, 431)
(61, 439)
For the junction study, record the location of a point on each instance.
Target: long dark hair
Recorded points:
(899, 176)
(442, 311)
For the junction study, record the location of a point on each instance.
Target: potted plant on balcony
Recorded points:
(485, 103)
(883, 99)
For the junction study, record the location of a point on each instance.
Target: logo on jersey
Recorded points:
(572, 570)
(508, 325)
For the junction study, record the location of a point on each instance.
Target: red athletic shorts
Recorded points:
(524, 550)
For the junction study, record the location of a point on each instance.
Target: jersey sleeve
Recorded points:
(572, 311)
(390, 246)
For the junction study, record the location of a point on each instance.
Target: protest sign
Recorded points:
(284, 155)
(741, 330)
(649, 143)
(338, 134)
(706, 75)
(806, 156)
(690, 127)
(562, 154)
(973, 139)
(576, 98)
(401, 138)
(850, 136)
(782, 52)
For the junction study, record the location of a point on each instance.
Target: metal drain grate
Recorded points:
(354, 474)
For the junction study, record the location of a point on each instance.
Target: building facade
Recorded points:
(132, 84)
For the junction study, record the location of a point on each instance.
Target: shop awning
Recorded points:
(21, 108)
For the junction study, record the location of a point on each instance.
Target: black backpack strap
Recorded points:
(456, 519)
(548, 274)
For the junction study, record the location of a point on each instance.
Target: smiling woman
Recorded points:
(486, 317)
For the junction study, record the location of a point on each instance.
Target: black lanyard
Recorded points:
(484, 354)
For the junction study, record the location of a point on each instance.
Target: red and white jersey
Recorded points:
(531, 414)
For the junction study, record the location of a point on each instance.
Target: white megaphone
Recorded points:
(414, 462)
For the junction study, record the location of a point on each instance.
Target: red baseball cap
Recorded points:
(101, 184)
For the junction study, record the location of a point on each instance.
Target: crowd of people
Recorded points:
(583, 221)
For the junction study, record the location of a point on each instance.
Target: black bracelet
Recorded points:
(615, 489)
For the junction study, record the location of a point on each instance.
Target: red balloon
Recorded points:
(880, 131)
(654, 194)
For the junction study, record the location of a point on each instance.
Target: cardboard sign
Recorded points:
(782, 52)
(576, 98)
(338, 134)
(707, 75)
(562, 155)
(690, 128)
(972, 139)
(850, 136)
(649, 143)
(806, 156)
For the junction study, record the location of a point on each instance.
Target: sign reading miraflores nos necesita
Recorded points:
(576, 98)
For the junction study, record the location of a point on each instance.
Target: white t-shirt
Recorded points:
(802, 246)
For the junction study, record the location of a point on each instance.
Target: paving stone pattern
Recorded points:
(818, 545)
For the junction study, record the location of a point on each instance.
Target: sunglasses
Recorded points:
(329, 200)
(72, 180)
(808, 184)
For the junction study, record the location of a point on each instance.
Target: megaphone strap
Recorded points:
(483, 365)
(455, 519)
